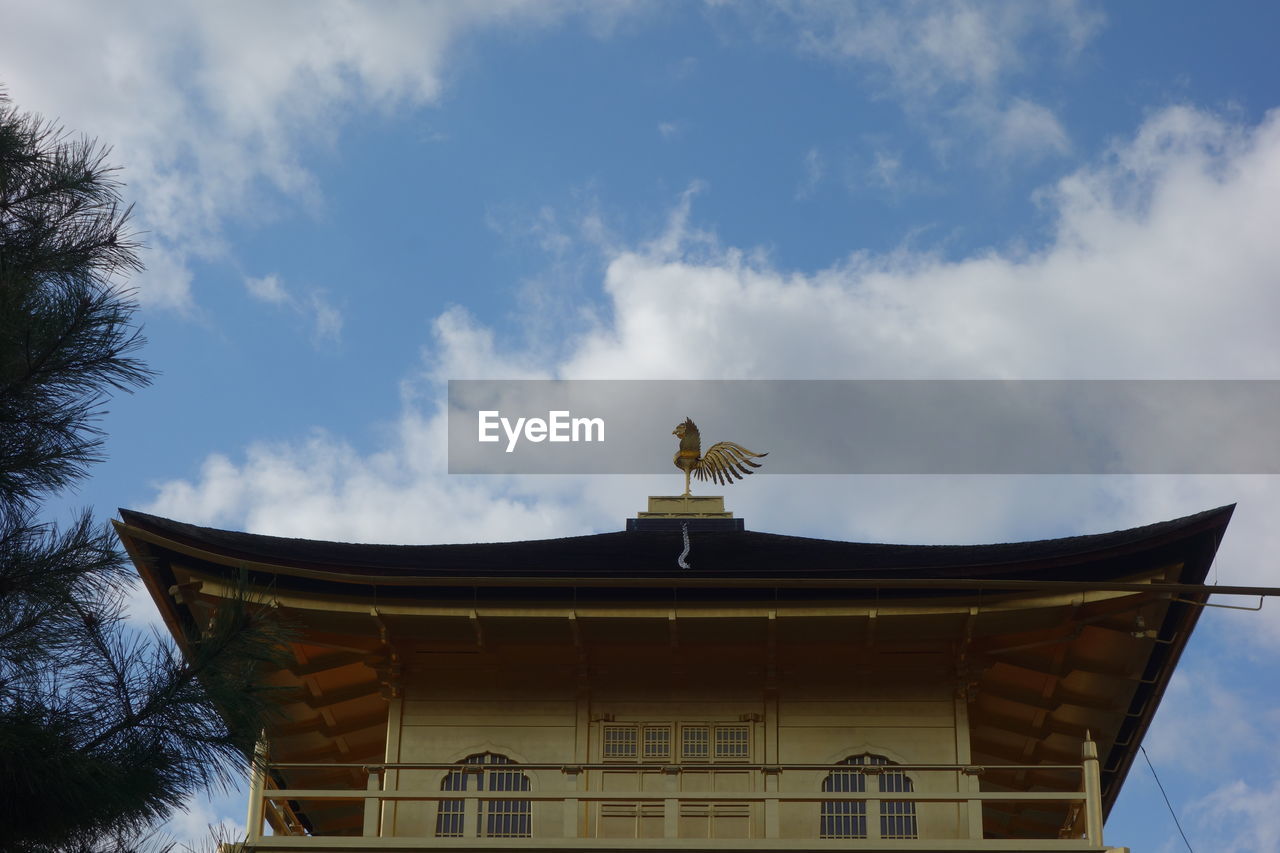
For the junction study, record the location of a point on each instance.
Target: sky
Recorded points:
(345, 205)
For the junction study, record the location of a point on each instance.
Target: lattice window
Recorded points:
(897, 817)
(657, 742)
(843, 818)
(449, 812)
(848, 818)
(695, 742)
(733, 742)
(494, 819)
(619, 742)
(653, 742)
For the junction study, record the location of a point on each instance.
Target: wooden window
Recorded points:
(848, 818)
(619, 742)
(897, 817)
(654, 742)
(695, 742)
(495, 818)
(733, 742)
(843, 818)
(657, 742)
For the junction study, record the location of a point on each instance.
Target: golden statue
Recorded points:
(724, 461)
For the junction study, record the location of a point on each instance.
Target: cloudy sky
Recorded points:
(345, 206)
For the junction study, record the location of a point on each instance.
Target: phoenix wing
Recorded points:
(726, 461)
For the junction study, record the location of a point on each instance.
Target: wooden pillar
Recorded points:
(971, 812)
(772, 776)
(391, 778)
(257, 785)
(1092, 791)
(582, 812)
(772, 816)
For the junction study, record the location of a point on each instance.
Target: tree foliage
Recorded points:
(103, 731)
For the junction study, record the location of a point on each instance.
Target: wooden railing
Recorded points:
(571, 830)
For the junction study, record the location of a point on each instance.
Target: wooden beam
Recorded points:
(339, 727)
(1059, 697)
(346, 694)
(326, 662)
(1042, 753)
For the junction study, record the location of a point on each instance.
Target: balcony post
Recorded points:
(257, 786)
(373, 805)
(571, 803)
(391, 778)
(772, 820)
(970, 814)
(1092, 791)
(671, 818)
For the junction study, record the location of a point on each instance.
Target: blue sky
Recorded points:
(345, 206)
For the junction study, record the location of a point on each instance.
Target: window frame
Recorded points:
(511, 818)
(903, 812)
(719, 734)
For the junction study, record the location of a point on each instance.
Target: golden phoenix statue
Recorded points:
(724, 461)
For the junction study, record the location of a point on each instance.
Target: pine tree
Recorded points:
(103, 731)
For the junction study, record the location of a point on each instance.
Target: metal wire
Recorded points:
(1172, 813)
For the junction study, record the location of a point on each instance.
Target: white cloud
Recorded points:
(928, 48)
(321, 487)
(669, 130)
(1150, 252)
(1241, 817)
(1205, 725)
(1020, 128)
(324, 318)
(957, 59)
(211, 107)
(924, 49)
(268, 288)
(328, 319)
(886, 170)
(465, 350)
(815, 168)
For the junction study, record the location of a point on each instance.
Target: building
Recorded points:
(779, 693)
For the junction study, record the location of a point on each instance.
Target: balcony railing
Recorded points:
(568, 816)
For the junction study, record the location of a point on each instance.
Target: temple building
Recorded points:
(688, 684)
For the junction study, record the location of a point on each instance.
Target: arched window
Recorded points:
(494, 818)
(848, 818)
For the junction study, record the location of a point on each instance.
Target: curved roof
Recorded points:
(726, 555)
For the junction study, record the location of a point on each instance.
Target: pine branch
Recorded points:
(102, 731)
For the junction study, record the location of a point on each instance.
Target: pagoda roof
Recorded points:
(1102, 619)
(714, 555)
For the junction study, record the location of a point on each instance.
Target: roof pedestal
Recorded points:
(691, 512)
